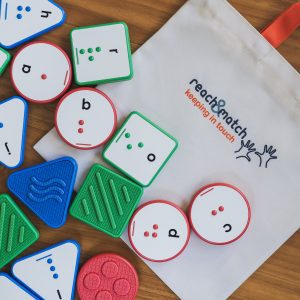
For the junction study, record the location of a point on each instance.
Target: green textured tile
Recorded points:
(16, 232)
(4, 60)
(106, 200)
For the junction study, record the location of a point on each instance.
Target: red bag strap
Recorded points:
(283, 26)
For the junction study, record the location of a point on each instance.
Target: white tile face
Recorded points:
(159, 231)
(13, 117)
(51, 273)
(11, 291)
(100, 53)
(85, 118)
(41, 72)
(220, 214)
(140, 149)
(20, 20)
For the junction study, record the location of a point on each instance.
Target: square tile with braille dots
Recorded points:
(101, 53)
(140, 149)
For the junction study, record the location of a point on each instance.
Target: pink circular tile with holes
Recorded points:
(107, 277)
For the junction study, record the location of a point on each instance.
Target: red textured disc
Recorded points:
(109, 277)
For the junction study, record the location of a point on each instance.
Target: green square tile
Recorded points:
(17, 233)
(106, 201)
(4, 60)
(101, 53)
(140, 149)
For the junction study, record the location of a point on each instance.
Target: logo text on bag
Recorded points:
(233, 128)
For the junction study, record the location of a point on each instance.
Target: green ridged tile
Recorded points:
(106, 200)
(17, 233)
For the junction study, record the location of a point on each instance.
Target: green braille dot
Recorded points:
(91, 58)
(127, 135)
(90, 50)
(129, 147)
(98, 49)
(81, 51)
(141, 145)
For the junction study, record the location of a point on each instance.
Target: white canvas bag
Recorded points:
(207, 51)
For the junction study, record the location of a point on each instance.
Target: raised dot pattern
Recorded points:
(130, 146)
(107, 276)
(52, 268)
(21, 9)
(90, 51)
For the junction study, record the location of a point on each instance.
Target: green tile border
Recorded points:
(121, 129)
(105, 80)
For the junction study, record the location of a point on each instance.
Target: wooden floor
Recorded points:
(279, 277)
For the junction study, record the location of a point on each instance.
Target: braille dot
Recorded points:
(104, 295)
(122, 287)
(98, 49)
(81, 122)
(90, 50)
(52, 268)
(146, 233)
(55, 276)
(49, 261)
(154, 234)
(141, 145)
(28, 8)
(19, 16)
(129, 147)
(221, 208)
(91, 58)
(155, 226)
(80, 130)
(91, 281)
(20, 8)
(214, 212)
(82, 51)
(1, 125)
(110, 269)
(127, 135)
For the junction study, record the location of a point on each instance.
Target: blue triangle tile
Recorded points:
(46, 189)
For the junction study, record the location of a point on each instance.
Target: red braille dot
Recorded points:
(146, 233)
(110, 269)
(81, 122)
(44, 76)
(91, 281)
(221, 208)
(155, 226)
(154, 234)
(214, 212)
(80, 130)
(122, 287)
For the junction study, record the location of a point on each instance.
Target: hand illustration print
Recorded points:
(245, 150)
(266, 155)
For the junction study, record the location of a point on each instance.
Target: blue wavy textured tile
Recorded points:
(46, 189)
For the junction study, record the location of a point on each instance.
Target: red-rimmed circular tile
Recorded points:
(107, 277)
(219, 213)
(41, 72)
(159, 231)
(85, 118)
